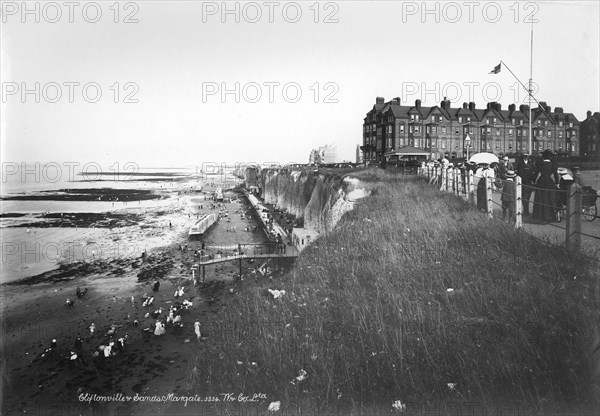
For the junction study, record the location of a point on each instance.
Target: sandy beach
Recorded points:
(34, 313)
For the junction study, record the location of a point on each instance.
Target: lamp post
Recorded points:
(467, 145)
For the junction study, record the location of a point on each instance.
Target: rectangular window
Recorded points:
(444, 144)
(416, 129)
(410, 129)
(489, 146)
(510, 132)
(489, 130)
(468, 119)
(518, 132)
(471, 130)
(524, 133)
(412, 117)
(440, 118)
(434, 130)
(460, 119)
(434, 143)
(512, 121)
(497, 132)
(428, 129)
(560, 124)
(520, 122)
(518, 145)
(573, 134)
(401, 128)
(443, 130)
(549, 134)
(560, 134)
(495, 120)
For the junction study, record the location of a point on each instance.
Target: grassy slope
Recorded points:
(368, 315)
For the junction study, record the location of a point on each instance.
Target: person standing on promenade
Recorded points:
(481, 176)
(545, 192)
(527, 171)
(509, 194)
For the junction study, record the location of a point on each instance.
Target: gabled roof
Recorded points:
(439, 110)
(490, 112)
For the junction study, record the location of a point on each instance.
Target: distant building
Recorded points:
(392, 131)
(590, 137)
(324, 154)
(359, 158)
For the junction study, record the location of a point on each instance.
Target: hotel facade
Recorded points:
(392, 131)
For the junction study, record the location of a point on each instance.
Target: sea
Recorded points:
(28, 251)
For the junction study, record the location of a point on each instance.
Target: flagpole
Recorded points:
(530, 82)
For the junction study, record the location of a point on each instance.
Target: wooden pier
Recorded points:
(248, 251)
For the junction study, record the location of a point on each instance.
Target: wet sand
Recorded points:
(34, 313)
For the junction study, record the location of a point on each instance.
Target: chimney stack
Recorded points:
(558, 110)
(418, 103)
(511, 107)
(465, 106)
(396, 101)
(472, 106)
(379, 100)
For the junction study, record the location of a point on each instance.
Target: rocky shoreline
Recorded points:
(42, 375)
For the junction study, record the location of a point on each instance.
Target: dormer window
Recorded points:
(460, 119)
(412, 117)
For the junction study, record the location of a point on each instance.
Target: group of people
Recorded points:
(538, 176)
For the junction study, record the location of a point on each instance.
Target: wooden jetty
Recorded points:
(248, 251)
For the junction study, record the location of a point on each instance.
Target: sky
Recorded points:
(183, 83)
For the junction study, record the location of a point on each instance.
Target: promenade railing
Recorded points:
(563, 209)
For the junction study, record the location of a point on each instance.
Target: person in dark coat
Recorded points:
(156, 286)
(508, 196)
(482, 174)
(544, 203)
(527, 171)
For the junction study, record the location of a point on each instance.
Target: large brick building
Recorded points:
(392, 130)
(590, 137)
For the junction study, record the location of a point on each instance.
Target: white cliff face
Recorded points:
(318, 198)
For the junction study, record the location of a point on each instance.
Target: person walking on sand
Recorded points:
(197, 330)
(160, 328)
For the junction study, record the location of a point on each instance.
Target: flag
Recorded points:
(496, 69)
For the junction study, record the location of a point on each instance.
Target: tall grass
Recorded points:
(412, 291)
